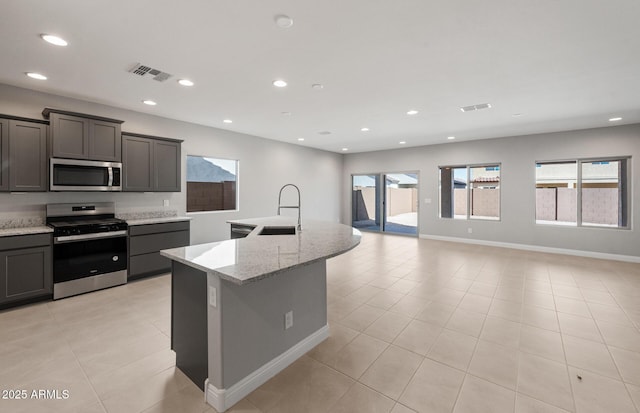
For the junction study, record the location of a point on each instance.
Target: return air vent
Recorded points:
(142, 70)
(475, 107)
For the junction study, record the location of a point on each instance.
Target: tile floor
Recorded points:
(416, 326)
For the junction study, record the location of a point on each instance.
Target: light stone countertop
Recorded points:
(159, 220)
(255, 257)
(9, 232)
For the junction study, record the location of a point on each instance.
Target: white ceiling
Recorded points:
(562, 64)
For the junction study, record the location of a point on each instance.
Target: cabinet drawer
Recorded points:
(158, 228)
(148, 263)
(24, 241)
(144, 244)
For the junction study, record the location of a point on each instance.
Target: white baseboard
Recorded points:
(222, 399)
(536, 248)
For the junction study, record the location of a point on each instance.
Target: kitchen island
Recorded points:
(244, 309)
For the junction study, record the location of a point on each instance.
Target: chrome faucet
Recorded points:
(280, 206)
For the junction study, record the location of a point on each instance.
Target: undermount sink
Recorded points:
(278, 230)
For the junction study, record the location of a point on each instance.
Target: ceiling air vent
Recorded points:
(475, 107)
(142, 70)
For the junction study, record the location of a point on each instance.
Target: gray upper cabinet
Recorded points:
(27, 156)
(80, 136)
(150, 164)
(4, 155)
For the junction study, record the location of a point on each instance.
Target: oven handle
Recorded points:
(97, 235)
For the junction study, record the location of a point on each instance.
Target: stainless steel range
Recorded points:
(89, 247)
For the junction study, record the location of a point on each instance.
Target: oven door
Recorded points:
(81, 256)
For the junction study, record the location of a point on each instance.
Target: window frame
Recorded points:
(216, 211)
(468, 168)
(579, 162)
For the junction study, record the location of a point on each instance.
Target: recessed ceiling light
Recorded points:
(412, 112)
(149, 102)
(300, 139)
(364, 129)
(317, 86)
(345, 149)
(515, 115)
(479, 106)
(38, 76)
(283, 21)
(279, 83)
(55, 40)
(402, 142)
(614, 119)
(285, 113)
(185, 82)
(227, 121)
(324, 132)
(451, 137)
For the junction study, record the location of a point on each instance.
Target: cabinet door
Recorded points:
(105, 142)
(4, 155)
(25, 273)
(137, 164)
(69, 136)
(28, 156)
(167, 166)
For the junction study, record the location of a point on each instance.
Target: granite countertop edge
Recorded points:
(9, 232)
(159, 220)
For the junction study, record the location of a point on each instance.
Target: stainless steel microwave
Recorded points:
(79, 175)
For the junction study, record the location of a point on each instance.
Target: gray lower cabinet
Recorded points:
(25, 268)
(4, 155)
(80, 136)
(146, 241)
(150, 164)
(27, 156)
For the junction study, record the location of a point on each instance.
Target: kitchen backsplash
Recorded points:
(162, 213)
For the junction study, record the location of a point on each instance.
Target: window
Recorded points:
(211, 184)
(470, 192)
(584, 192)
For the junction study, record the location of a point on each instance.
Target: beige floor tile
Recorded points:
(453, 349)
(598, 297)
(628, 363)
(620, 336)
(595, 393)
(403, 286)
(418, 336)
(506, 293)
(243, 406)
(480, 396)
(495, 363)
(538, 299)
(634, 391)
(508, 310)
(356, 357)
(610, 314)
(388, 326)
(362, 317)
(187, 400)
(572, 306)
(385, 299)
(436, 313)
(449, 296)
(434, 388)
(391, 372)
(400, 408)
(361, 399)
(526, 404)
(475, 303)
(567, 291)
(590, 355)
(579, 327)
(466, 322)
(541, 342)
(501, 331)
(340, 308)
(147, 393)
(409, 306)
(339, 336)
(545, 380)
(364, 293)
(540, 317)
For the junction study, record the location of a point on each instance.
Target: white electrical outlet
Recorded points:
(213, 297)
(165, 202)
(288, 320)
(470, 230)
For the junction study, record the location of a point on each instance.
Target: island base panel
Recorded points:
(189, 321)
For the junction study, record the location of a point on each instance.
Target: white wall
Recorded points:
(264, 166)
(517, 156)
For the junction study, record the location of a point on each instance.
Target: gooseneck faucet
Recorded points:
(280, 206)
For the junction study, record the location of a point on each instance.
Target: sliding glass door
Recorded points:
(385, 202)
